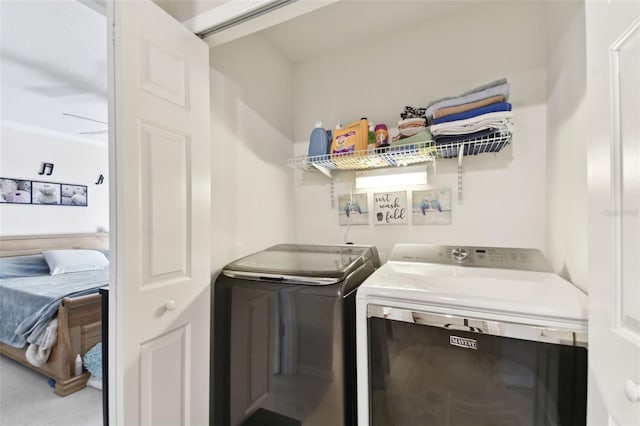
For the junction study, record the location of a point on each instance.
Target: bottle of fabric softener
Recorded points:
(318, 141)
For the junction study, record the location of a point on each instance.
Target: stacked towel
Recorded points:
(482, 93)
(411, 126)
(479, 115)
(412, 122)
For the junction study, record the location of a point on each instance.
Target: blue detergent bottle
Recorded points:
(318, 141)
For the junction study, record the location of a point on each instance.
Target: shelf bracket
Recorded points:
(325, 171)
(460, 155)
(333, 195)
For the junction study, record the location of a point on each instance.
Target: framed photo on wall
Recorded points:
(74, 195)
(15, 191)
(45, 193)
(21, 191)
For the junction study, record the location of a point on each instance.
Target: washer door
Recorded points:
(281, 355)
(430, 369)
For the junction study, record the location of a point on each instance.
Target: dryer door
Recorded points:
(433, 369)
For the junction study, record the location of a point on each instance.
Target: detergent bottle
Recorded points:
(318, 141)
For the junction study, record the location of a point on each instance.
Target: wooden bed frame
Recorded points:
(79, 318)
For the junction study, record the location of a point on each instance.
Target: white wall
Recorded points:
(567, 132)
(251, 140)
(22, 152)
(504, 194)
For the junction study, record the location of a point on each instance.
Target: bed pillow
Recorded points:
(64, 261)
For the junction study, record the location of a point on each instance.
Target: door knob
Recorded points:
(170, 305)
(632, 390)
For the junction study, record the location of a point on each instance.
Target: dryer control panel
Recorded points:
(483, 257)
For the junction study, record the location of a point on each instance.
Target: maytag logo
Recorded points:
(463, 342)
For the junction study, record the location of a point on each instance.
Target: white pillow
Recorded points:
(63, 261)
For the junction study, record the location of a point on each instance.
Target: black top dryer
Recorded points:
(283, 339)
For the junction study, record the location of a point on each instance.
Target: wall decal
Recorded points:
(18, 191)
(353, 210)
(432, 207)
(46, 168)
(100, 180)
(390, 208)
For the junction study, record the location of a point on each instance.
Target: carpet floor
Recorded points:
(27, 399)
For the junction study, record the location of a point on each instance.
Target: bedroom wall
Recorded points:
(504, 194)
(567, 132)
(251, 139)
(76, 161)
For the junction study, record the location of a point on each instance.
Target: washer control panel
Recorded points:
(483, 257)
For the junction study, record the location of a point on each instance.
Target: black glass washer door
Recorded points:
(424, 375)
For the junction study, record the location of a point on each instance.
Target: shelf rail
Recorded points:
(402, 154)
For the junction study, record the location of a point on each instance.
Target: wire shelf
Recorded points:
(403, 155)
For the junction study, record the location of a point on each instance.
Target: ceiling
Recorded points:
(53, 60)
(53, 53)
(348, 24)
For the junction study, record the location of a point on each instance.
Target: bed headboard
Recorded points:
(34, 244)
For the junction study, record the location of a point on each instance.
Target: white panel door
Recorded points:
(160, 209)
(613, 82)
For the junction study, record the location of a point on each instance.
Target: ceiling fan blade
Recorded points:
(84, 118)
(97, 132)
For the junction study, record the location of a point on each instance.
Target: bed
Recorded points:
(78, 314)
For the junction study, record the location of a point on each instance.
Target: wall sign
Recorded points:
(353, 210)
(17, 191)
(432, 207)
(390, 208)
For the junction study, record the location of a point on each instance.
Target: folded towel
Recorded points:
(411, 126)
(500, 90)
(442, 112)
(489, 85)
(492, 120)
(502, 106)
(450, 139)
(422, 136)
(38, 352)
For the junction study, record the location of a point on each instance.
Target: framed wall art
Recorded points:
(390, 208)
(21, 191)
(45, 193)
(353, 210)
(15, 191)
(431, 207)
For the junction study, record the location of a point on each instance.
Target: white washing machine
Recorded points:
(470, 336)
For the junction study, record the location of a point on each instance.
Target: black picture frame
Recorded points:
(74, 195)
(25, 191)
(45, 193)
(15, 191)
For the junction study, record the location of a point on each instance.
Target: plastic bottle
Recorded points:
(318, 141)
(382, 135)
(364, 126)
(371, 147)
(78, 365)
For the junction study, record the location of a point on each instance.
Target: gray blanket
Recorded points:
(27, 304)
